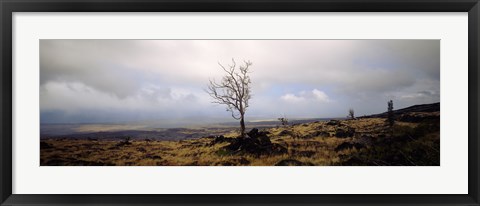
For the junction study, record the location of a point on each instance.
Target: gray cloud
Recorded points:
(107, 80)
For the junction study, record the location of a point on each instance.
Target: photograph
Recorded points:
(239, 102)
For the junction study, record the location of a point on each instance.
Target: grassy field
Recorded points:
(366, 141)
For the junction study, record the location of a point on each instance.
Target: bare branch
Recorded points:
(233, 90)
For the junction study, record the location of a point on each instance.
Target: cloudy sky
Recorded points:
(108, 81)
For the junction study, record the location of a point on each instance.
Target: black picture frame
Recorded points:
(7, 7)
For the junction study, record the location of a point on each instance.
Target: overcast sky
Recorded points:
(94, 81)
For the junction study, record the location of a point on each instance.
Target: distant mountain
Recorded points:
(69, 130)
(434, 107)
(163, 134)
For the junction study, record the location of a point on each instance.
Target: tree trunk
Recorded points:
(242, 127)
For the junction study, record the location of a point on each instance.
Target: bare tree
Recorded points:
(390, 114)
(233, 91)
(351, 114)
(283, 120)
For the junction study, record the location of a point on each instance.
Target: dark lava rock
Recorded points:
(323, 134)
(218, 139)
(255, 147)
(235, 162)
(354, 161)
(305, 153)
(412, 117)
(194, 163)
(365, 140)
(348, 145)
(141, 149)
(317, 134)
(75, 162)
(262, 136)
(314, 144)
(343, 133)
(253, 133)
(243, 161)
(195, 144)
(123, 143)
(257, 144)
(333, 122)
(44, 145)
(285, 133)
(150, 156)
(292, 162)
(278, 149)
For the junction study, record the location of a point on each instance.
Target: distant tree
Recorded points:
(283, 121)
(351, 114)
(390, 115)
(125, 142)
(233, 91)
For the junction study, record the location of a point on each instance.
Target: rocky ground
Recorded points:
(414, 140)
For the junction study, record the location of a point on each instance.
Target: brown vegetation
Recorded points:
(365, 141)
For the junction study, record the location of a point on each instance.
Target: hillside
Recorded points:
(421, 108)
(413, 140)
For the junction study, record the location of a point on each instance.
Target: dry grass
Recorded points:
(302, 143)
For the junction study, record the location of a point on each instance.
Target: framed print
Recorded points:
(262, 102)
(188, 130)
